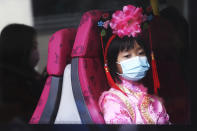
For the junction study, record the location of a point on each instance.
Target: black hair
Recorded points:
(16, 43)
(122, 44)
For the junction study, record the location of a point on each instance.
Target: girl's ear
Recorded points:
(148, 55)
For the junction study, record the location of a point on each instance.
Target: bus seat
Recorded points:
(174, 88)
(87, 71)
(67, 112)
(59, 50)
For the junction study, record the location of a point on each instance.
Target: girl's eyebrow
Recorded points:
(123, 53)
(139, 48)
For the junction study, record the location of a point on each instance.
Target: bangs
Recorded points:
(124, 44)
(127, 44)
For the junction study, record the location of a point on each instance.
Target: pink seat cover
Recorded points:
(93, 83)
(87, 48)
(41, 103)
(59, 50)
(87, 41)
(59, 55)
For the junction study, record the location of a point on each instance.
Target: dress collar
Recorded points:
(133, 86)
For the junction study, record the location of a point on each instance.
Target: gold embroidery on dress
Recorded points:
(128, 91)
(144, 110)
(126, 102)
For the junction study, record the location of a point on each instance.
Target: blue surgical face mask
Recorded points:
(134, 68)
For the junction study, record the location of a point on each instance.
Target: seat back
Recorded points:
(167, 46)
(87, 72)
(67, 112)
(59, 50)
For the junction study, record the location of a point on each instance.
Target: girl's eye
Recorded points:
(141, 53)
(127, 56)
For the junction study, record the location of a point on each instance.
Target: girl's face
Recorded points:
(127, 54)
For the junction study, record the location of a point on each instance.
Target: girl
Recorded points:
(126, 63)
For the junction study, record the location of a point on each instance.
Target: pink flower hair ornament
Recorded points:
(127, 22)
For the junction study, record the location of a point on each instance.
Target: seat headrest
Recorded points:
(59, 50)
(166, 42)
(87, 41)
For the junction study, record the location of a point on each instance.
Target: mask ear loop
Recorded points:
(108, 75)
(154, 67)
